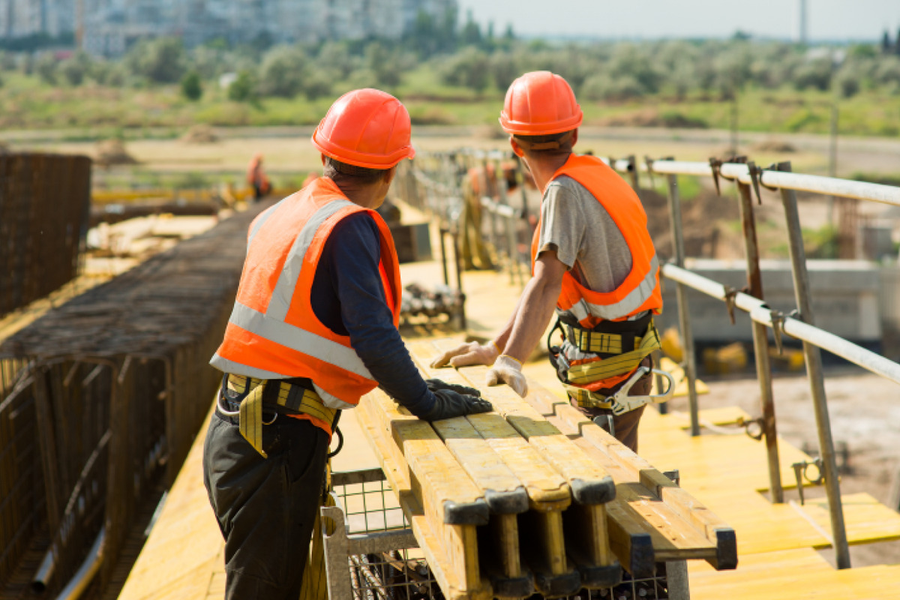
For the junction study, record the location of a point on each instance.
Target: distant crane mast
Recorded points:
(79, 24)
(803, 16)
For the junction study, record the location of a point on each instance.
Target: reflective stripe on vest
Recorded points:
(273, 332)
(627, 306)
(640, 291)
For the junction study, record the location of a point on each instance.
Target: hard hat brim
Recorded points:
(360, 159)
(522, 128)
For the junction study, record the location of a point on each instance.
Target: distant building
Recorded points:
(112, 26)
(25, 18)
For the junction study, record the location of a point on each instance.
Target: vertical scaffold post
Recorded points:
(684, 315)
(761, 343)
(813, 358)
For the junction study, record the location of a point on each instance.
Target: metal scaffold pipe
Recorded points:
(761, 344)
(813, 357)
(761, 313)
(684, 315)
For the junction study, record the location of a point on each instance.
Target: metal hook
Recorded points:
(800, 472)
(778, 318)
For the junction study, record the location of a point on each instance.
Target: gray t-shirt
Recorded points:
(585, 237)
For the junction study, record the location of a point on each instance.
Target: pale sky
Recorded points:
(827, 19)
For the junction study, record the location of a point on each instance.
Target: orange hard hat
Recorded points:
(540, 103)
(367, 128)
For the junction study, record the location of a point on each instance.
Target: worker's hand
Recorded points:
(472, 353)
(451, 404)
(436, 384)
(509, 371)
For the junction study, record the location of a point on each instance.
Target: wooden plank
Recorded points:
(455, 580)
(590, 483)
(437, 478)
(629, 467)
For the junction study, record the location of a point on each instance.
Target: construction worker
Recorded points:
(314, 328)
(257, 178)
(593, 261)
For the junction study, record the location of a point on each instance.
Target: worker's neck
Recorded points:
(543, 168)
(368, 196)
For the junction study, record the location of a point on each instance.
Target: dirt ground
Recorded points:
(865, 421)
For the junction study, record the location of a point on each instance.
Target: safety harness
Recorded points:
(617, 348)
(278, 396)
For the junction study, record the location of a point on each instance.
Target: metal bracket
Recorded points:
(730, 294)
(748, 423)
(649, 162)
(716, 164)
(755, 174)
(800, 472)
(778, 318)
(772, 167)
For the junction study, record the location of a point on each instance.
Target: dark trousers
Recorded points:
(265, 507)
(626, 424)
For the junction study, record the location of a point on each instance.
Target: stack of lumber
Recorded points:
(532, 497)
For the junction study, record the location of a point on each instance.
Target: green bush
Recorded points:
(283, 71)
(160, 60)
(243, 89)
(191, 87)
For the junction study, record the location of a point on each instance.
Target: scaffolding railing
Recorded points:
(799, 324)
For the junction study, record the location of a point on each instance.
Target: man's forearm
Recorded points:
(532, 315)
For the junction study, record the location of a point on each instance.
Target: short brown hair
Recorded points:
(554, 143)
(341, 171)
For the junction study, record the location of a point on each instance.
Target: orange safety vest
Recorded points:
(640, 291)
(273, 332)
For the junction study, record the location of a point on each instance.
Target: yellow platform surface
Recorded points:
(776, 543)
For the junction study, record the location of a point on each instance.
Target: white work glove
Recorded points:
(468, 354)
(508, 370)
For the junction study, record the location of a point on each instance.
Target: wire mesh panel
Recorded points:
(371, 553)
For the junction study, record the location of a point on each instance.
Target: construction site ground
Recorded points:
(780, 547)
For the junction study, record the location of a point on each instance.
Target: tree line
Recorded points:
(475, 58)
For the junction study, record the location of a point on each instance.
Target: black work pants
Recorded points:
(265, 507)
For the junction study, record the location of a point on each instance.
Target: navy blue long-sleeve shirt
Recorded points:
(348, 298)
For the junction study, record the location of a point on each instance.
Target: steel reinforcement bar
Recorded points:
(44, 211)
(114, 387)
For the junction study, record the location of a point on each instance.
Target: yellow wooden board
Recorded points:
(184, 549)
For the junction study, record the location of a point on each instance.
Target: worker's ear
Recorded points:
(323, 159)
(389, 175)
(517, 149)
(574, 137)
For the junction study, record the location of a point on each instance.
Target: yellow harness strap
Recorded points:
(608, 367)
(251, 412)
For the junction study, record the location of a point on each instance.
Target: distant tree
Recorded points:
(468, 68)
(381, 61)
(46, 68)
(335, 57)
(886, 42)
(814, 74)
(282, 72)
(471, 32)
(191, 86)
(160, 60)
(503, 69)
(243, 88)
(318, 83)
(75, 68)
(848, 82)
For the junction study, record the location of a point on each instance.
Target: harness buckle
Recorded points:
(622, 403)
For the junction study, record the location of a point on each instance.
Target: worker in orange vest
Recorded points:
(257, 178)
(593, 262)
(314, 328)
